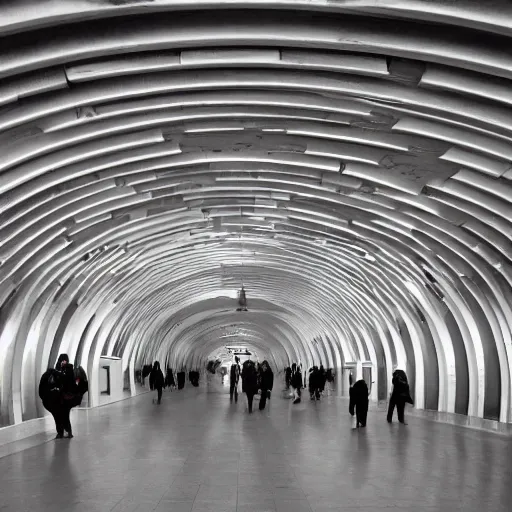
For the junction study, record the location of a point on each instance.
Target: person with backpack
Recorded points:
(234, 377)
(266, 383)
(249, 382)
(359, 402)
(157, 381)
(399, 396)
(59, 392)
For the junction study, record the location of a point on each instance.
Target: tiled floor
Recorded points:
(196, 452)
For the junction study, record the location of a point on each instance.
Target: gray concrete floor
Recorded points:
(196, 452)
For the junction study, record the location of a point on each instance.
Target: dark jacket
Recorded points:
(266, 379)
(249, 378)
(322, 378)
(82, 383)
(297, 379)
(156, 377)
(401, 387)
(50, 389)
(314, 379)
(67, 373)
(358, 396)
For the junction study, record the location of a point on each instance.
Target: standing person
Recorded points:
(181, 379)
(399, 396)
(249, 382)
(322, 379)
(296, 382)
(59, 393)
(314, 383)
(234, 377)
(288, 377)
(156, 380)
(266, 383)
(359, 401)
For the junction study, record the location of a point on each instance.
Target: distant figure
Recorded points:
(181, 379)
(266, 383)
(156, 380)
(288, 377)
(359, 401)
(59, 392)
(400, 396)
(314, 383)
(234, 377)
(249, 381)
(194, 378)
(296, 382)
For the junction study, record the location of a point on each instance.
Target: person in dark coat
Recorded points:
(181, 379)
(313, 383)
(359, 402)
(288, 377)
(322, 379)
(399, 396)
(234, 377)
(59, 393)
(156, 380)
(266, 383)
(296, 382)
(249, 381)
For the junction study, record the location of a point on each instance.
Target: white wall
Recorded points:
(116, 379)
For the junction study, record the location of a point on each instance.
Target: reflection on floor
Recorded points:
(196, 452)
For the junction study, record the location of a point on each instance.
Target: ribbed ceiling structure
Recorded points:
(348, 162)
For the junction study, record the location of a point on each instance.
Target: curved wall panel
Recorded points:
(349, 165)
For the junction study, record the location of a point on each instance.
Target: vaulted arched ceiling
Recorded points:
(349, 162)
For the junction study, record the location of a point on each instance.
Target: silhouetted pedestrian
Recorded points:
(249, 381)
(399, 396)
(234, 377)
(157, 381)
(266, 383)
(359, 402)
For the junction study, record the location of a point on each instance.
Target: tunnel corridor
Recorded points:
(345, 163)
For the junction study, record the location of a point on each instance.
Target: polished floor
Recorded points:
(197, 452)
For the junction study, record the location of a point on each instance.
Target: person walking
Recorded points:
(234, 377)
(359, 402)
(399, 396)
(59, 393)
(313, 383)
(296, 382)
(157, 381)
(322, 379)
(249, 382)
(288, 377)
(266, 383)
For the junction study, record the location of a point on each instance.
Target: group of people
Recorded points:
(157, 382)
(318, 377)
(63, 387)
(317, 380)
(60, 389)
(255, 377)
(359, 399)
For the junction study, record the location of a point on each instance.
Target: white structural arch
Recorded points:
(349, 163)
